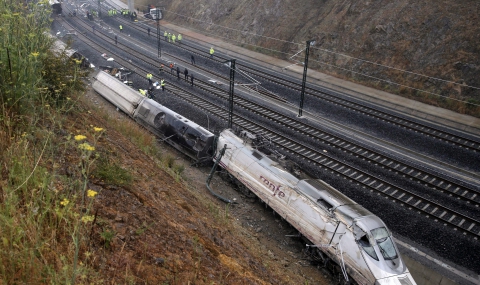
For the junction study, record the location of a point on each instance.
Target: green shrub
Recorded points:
(113, 174)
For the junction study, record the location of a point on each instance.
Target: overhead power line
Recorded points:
(329, 51)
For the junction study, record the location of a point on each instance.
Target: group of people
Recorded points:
(112, 12)
(172, 38)
(127, 13)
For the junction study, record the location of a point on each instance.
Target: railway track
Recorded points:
(413, 173)
(442, 135)
(454, 219)
(405, 197)
(431, 227)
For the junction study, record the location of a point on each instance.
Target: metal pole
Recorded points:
(232, 84)
(302, 94)
(159, 49)
(212, 172)
(99, 10)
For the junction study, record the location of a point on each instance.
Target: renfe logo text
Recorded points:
(275, 189)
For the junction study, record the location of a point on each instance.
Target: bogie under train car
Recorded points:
(183, 134)
(338, 229)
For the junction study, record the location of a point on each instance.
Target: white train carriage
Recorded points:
(119, 94)
(341, 229)
(183, 134)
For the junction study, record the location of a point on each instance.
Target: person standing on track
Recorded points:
(149, 77)
(179, 38)
(160, 69)
(162, 83)
(174, 38)
(191, 78)
(212, 51)
(185, 72)
(148, 30)
(165, 35)
(192, 59)
(178, 72)
(121, 28)
(115, 39)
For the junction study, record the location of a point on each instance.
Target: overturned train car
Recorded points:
(183, 134)
(338, 229)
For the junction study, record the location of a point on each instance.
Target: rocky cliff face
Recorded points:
(440, 39)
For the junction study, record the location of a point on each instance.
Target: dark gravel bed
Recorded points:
(421, 230)
(454, 155)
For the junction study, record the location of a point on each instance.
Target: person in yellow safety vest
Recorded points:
(179, 38)
(162, 83)
(169, 37)
(165, 35)
(143, 92)
(211, 52)
(149, 77)
(173, 38)
(121, 28)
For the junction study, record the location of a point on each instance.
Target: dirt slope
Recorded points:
(436, 38)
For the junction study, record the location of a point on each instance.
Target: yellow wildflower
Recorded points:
(86, 146)
(80, 137)
(64, 202)
(68, 98)
(35, 54)
(47, 105)
(87, 219)
(91, 193)
(98, 129)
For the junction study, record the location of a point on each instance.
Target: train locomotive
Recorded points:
(183, 134)
(336, 228)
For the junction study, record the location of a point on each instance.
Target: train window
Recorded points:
(257, 155)
(182, 130)
(367, 247)
(199, 145)
(324, 203)
(143, 111)
(385, 243)
(159, 119)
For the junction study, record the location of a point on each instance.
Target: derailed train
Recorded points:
(183, 134)
(338, 229)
